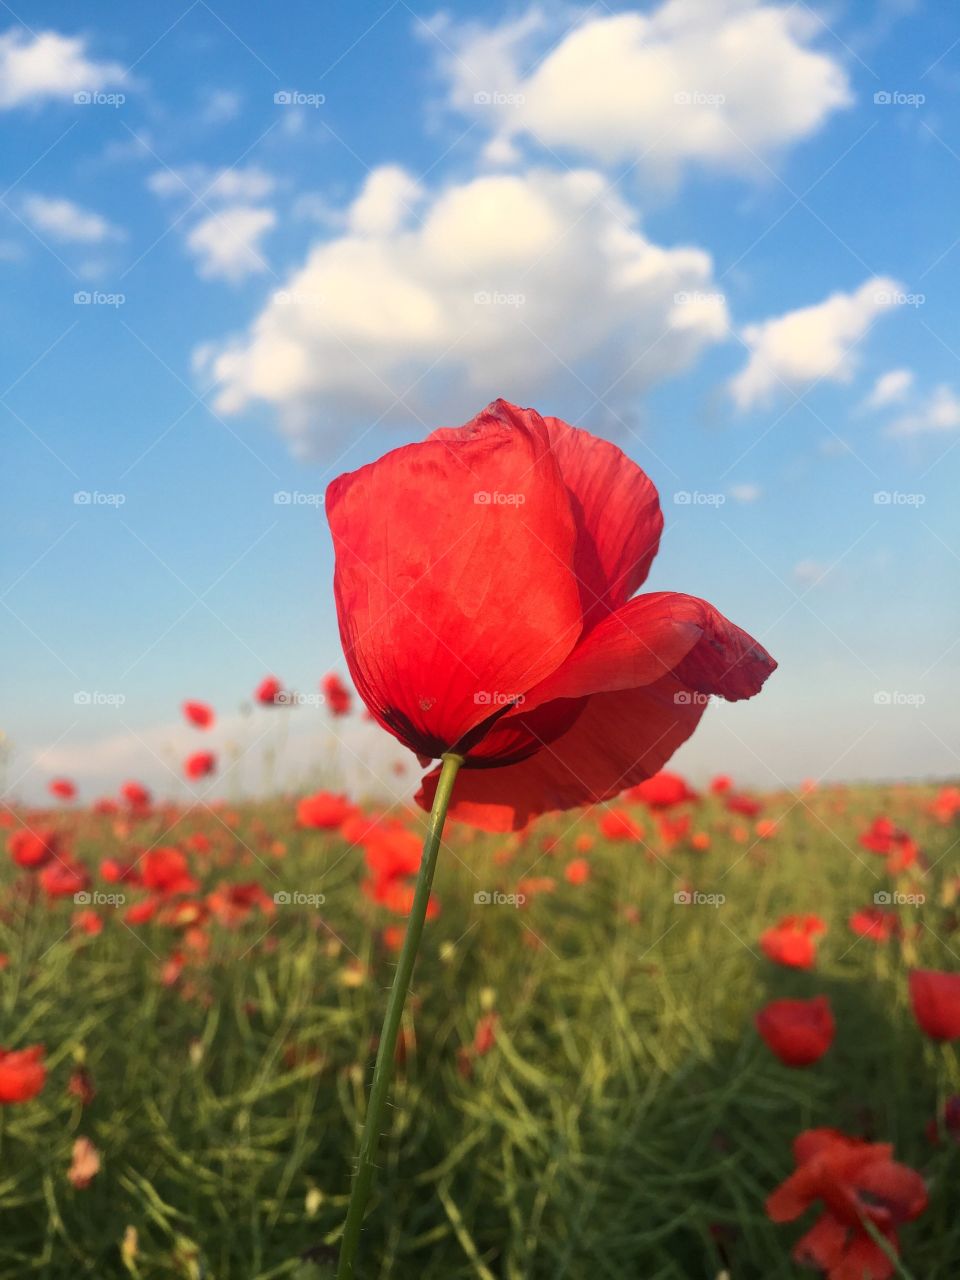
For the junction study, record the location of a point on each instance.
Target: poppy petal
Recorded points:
(431, 541)
(618, 740)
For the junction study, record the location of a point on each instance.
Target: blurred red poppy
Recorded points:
(858, 1183)
(22, 1074)
(32, 848)
(747, 806)
(483, 587)
(165, 870)
(663, 791)
(799, 1032)
(269, 692)
(577, 871)
(323, 811)
(62, 788)
(198, 714)
(200, 764)
(875, 923)
(136, 795)
(336, 694)
(887, 840)
(617, 824)
(721, 784)
(936, 1002)
(64, 879)
(792, 941)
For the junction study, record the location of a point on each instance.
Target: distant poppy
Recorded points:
(22, 1074)
(88, 922)
(946, 806)
(936, 1002)
(483, 588)
(799, 1032)
(721, 784)
(269, 692)
(336, 694)
(792, 941)
(577, 871)
(33, 848)
(64, 879)
(199, 765)
(618, 824)
(62, 788)
(858, 1183)
(136, 795)
(890, 842)
(165, 870)
(198, 714)
(744, 805)
(323, 811)
(875, 923)
(663, 791)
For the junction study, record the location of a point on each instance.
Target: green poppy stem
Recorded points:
(383, 1070)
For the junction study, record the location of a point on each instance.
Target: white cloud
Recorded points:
(574, 305)
(938, 413)
(45, 64)
(227, 243)
(388, 195)
(745, 492)
(212, 186)
(220, 106)
(691, 80)
(811, 344)
(809, 573)
(889, 388)
(63, 220)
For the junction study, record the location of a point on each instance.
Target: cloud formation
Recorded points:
(40, 65)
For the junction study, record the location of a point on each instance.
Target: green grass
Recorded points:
(629, 1124)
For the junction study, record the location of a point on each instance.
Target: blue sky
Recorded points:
(240, 255)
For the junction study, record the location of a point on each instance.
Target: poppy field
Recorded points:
(685, 1033)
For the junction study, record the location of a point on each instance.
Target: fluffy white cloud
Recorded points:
(388, 195)
(693, 80)
(61, 219)
(45, 64)
(745, 492)
(889, 388)
(811, 344)
(938, 413)
(538, 287)
(212, 185)
(227, 243)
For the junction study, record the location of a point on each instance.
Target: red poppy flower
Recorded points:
(617, 824)
(799, 1032)
(577, 871)
(721, 784)
(88, 922)
(62, 788)
(165, 870)
(792, 941)
(269, 692)
(936, 1002)
(336, 694)
(875, 923)
(483, 587)
(744, 805)
(663, 791)
(199, 765)
(136, 795)
(63, 879)
(946, 806)
(890, 842)
(858, 1183)
(33, 849)
(198, 714)
(323, 811)
(22, 1074)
